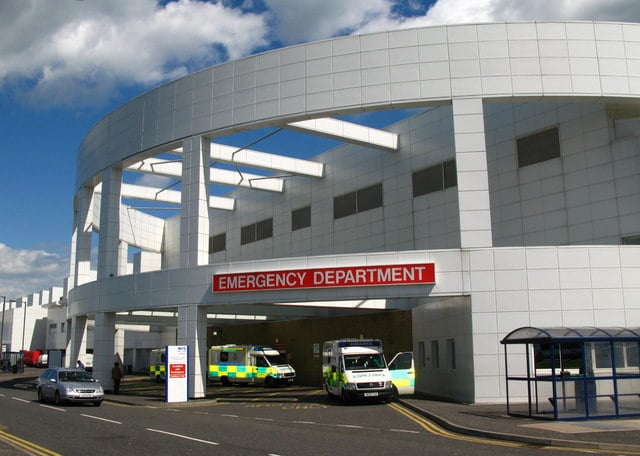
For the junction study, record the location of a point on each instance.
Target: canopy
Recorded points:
(529, 334)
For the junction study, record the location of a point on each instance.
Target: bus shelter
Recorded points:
(573, 373)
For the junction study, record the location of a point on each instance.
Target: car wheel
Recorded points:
(40, 396)
(58, 401)
(97, 403)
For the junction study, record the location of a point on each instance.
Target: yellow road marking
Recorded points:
(435, 429)
(25, 444)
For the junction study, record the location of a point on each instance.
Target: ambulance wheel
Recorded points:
(158, 379)
(225, 381)
(395, 394)
(269, 382)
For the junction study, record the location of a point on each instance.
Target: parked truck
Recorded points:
(249, 364)
(355, 369)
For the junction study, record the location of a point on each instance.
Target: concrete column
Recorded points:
(81, 238)
(109, 243)
(123, 258)
(103, 348)
(76, 339)
(192, 331)
(194, 212)
(473, 178)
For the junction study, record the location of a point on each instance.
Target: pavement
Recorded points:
(491, 421)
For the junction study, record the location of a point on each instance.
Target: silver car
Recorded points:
(62, 384)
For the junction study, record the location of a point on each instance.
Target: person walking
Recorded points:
(116, 376)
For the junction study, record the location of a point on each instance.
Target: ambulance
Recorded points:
(355, 370)
(157, 365)
(249, 364)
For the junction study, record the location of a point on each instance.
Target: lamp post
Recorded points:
(24, 321)
(4, 301)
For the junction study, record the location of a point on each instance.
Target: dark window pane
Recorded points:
(218, 243)
(301, 218)
(538, 147)
(450, 176)
(248, 234)
(344, 205)
(264, 229)
(428, 180)
(631, 240)
(369, 198)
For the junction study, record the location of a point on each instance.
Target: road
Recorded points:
(284, 422)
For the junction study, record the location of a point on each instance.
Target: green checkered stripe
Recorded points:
(235, 371)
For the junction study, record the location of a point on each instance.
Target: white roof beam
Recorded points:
(347, 131)
(172, 168)
(167, 196)
(263, 160)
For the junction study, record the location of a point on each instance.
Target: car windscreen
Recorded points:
(75, 376)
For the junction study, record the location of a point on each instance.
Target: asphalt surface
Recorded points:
(481, 420)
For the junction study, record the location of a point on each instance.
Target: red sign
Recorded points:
(177, 370)
(355, 276)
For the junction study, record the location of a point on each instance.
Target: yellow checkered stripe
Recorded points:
(156, 370)
(235, 371)
(333, 379)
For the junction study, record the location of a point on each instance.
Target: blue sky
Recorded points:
(65, 64)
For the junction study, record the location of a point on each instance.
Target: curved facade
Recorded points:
(516, 178)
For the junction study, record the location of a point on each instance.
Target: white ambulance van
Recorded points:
(249, 364)
(355, 370)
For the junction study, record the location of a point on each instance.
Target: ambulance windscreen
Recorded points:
(276, 360)
(364, 362)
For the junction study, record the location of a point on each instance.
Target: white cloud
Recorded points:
(23, 272)
(71, 53)
(307, 20)
(74, 52)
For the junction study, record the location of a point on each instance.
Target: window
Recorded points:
(218, 243)
(451, 354)
(345, 205)
(248, 234)
(422, 355)
(369, 198)
(538, 147)
(264, 229)
(359, 201)
(53, 328)
(631, 240)
(256, 231)
(62, 327)
(301, 218)
(435, 354)
(434, 178)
